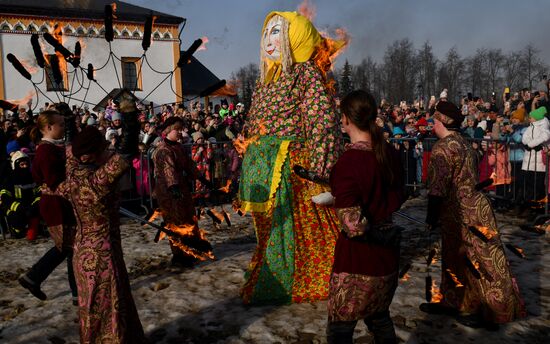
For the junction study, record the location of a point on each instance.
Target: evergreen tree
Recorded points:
(345, 84)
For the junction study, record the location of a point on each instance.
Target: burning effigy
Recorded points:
(292, 121)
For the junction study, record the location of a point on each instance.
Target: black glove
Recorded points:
(175, 192)
(434, 210)
(302, 172)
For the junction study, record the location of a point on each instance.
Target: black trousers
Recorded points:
(48, 263)
(380, 324)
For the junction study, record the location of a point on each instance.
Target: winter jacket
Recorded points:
(535, 137)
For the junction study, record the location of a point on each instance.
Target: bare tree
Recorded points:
(512, 70)
(451, 74)
(399, 65)
(495, 60)
(244, 80)
(531, 63)
(426, 64)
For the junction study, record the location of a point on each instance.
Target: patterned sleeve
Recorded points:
(106, 176)
(439, 172)
(322, 126)
(166, 166)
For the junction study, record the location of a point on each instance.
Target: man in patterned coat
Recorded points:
(476, 280)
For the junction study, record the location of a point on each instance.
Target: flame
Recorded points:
(113, 6)
(29, 66)
(236, 205)
(405, 277)
(203, 45)
(307, 9)
(436, 294)
(25, 100)
(225, 189)
(241, 143)
(328, 51)
(455, 279)
(486, 231)
(189, 230)
(57, 32)
(157, 213)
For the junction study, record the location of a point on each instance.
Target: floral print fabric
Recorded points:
(107, 313)
(293, 258)
(491, 290)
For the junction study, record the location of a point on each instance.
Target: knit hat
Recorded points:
(421, 123)
(519, 114)
(538, 114)
(91, 121)
(398, 131)
(451, 111)
(115, 115)
(12, 146)
(88, 141)
(443, 93)
(17, 156)
(197, 135)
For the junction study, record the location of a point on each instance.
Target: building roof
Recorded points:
(196, 78)
(88, 9)
(116, 94)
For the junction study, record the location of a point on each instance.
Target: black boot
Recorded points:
(381, 326)
(340, 332)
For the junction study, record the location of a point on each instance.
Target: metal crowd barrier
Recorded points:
(501, 160)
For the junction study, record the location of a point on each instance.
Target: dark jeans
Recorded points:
(47, 264)
(380, 324)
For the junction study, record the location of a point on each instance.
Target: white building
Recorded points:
(83, 21)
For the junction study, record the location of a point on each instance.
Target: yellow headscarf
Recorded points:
(303, 40)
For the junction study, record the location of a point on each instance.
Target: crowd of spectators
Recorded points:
(510, 136)
(207, 137)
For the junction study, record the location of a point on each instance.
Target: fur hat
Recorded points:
(197, 135)
(88, 141)
(127, 106)
(451, 111)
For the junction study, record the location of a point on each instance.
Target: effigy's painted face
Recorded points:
(272, 38)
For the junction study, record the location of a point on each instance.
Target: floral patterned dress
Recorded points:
(107, 313)
(294, 123)
(479, 262)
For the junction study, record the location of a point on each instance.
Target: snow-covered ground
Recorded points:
(202, 305)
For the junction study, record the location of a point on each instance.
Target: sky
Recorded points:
(233, 26)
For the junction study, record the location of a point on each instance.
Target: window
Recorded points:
(80, 31)
(18, 27)
(156, 35)
(131, 66)
(167, 36)
(51, 85)
(6, 27)
(136, 34)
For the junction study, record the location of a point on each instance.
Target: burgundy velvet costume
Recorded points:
(364, 275)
